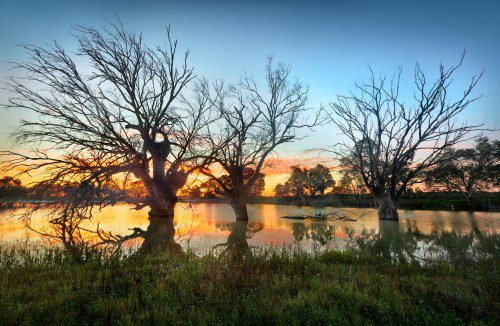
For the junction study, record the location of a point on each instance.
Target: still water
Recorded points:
(204, 227)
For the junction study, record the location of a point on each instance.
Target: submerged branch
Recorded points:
(343, 215)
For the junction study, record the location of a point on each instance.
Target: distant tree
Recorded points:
(254, 122)
(304, 182)
(467, 171)
(297, 183)
(281, 190)
(11, 188)
(195, 190)
(319, 180)
(114, 117)
(389, 142)
(213, 188)
(350, 183)
(8, 182)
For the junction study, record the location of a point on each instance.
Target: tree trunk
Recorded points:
(239, 205)
(470, 202)
(303, 200)
(163, 208)
(162, 192)
(387, 208)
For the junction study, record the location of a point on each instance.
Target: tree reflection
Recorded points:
(320, 233)
(241, 231)
(390, 241)
(459, 243)
(159, 237)
(406, 243)
(466, 245)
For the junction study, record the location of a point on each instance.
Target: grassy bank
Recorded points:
(274, 288)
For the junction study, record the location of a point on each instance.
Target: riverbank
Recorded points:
(240, 288)
(416, 201)
(419, 201)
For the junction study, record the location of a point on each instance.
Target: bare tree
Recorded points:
(350, 183)
(114, 117)
(254, 123)
(388, 142)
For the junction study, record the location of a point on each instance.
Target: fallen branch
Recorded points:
(343, 215)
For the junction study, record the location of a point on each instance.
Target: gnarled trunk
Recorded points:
(163, 208)
(239, 205)
(162, 189)
(387, 208)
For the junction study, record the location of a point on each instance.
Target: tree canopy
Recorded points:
(467, 170)
(112, 117)
(255, 120)
(304, 182)
(388, 142)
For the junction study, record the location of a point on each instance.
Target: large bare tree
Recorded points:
(388, 142)
(114, 113)
(254, 122)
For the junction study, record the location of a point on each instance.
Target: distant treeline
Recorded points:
(13, 195)
(487, 201)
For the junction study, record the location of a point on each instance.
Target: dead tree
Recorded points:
(254, 122)
(111, 115)
(388, 142)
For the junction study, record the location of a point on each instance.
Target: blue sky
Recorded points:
(327, 43)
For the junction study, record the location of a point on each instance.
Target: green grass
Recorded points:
(277, 287)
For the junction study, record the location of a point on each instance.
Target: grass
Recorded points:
(276, 287)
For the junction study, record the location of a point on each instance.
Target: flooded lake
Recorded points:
(205, 227)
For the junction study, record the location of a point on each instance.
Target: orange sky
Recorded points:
(278, 169)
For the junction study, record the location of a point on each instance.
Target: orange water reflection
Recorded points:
(203, 227)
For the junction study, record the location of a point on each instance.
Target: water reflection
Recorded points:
(409, 244)
(320, 233)
(237, 240)
(159, 236)
(389, 241)
(202, 228)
